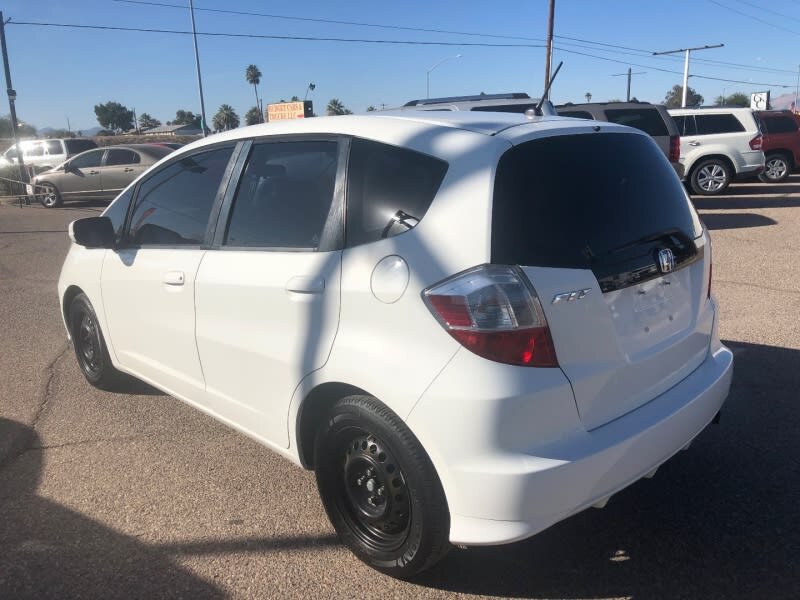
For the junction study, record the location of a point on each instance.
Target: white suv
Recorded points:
(464, 340)
(718, 145)
(46, 154)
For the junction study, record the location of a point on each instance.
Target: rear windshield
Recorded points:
(585, 201)
(78, 146)
(648, 120)
(507, 108)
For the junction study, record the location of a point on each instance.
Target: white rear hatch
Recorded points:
(603, 229)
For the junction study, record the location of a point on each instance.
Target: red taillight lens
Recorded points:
(756, 142)
(674, 148)
(492, 311)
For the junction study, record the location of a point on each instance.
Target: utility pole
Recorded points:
(12, 97)
(629, 73)
(199, 79)
(796, 87)
(688, 51)
(548, 63)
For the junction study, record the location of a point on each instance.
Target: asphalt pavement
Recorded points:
(138, 496)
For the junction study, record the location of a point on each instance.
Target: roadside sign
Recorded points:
(759, 100)
(282, 111)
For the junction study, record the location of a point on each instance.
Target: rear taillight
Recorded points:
(756, 142)
(494, 312)
(674, 148)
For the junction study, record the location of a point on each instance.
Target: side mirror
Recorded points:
(68, 168)
(92, 232)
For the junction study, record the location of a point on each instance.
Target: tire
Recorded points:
(777, 168)
(48, 195)
(379, 488)
(90, 346)
(710, 177)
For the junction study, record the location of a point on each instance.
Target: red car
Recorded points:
(781, 143)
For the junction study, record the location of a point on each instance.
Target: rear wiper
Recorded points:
(643, 240)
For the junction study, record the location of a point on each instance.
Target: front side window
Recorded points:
(88, 160)
(35, 149)
(54, 147)
(173, 205)
(117, 212)
(284, 195)
(389, 190)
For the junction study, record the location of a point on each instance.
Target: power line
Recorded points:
(755, 18)
(769, 10)
(273, 37)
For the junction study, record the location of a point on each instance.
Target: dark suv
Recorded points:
(653, 119)
(781, 143)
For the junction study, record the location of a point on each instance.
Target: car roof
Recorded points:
(710, 109)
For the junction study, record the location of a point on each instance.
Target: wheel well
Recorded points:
(312, 413)
(69, 296)
(788, 154)
(720, 157)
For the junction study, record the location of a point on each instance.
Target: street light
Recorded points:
(428, 77)
(311, 87)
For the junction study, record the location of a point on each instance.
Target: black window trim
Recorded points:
(332, 238)
(226, 178)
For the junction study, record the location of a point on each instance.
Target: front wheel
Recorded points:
(776, 169)
(90, 346)
(710, 177)
(380, 489)
(48, 195)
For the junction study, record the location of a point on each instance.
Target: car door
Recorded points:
(121, 166)
(81, 176)
(267, 293)
(148, 281)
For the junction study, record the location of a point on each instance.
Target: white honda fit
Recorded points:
(470, 325)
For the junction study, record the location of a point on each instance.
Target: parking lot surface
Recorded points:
(137, 495)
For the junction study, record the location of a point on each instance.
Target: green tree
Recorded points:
(60, 133)
(185, 117)
(226, 118)
(675, 95)
(335, 107)
(114, 116)
(253, 77)
(252, 116)
(105, 133)
(23, 129)
(148, 122)
(371, 108)
(295, 99)
(735, 99)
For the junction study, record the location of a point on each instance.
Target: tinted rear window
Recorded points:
(507, 108)
(781, 124)
(575, 114)
(712, 124)
(648, 120)
(77, 146)
(627, 193)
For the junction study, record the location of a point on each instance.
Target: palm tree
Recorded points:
(253, 77)
(252, 116)
(335, 107)
(226, 118)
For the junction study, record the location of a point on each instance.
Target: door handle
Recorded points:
(94, 172)
(694, 143)
(174, 278)
(127, 169)
(306, 285)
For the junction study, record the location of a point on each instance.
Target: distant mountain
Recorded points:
(782, 102)
(45, 131)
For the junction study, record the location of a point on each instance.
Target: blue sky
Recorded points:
(60, 73)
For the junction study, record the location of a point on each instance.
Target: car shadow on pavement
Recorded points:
(735, 220)
(721, 520)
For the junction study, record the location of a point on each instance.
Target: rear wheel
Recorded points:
(48, 195)
(90, 346)
(710, 177)
(380, 489)
(776, 169)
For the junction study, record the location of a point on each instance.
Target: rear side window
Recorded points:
(284, 195)
(389, 190)
(648, 120)
(173, 205)
(778, 124)
(78, 146)
(575, 114)
(627, 194)
(35, 149)
(87, 160)
(118, 156)
(712, 124)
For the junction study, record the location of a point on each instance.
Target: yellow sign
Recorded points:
(286, 110)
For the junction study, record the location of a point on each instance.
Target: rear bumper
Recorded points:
(503, 497)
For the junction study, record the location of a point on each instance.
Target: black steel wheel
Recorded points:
(90, 347)
(380, 489)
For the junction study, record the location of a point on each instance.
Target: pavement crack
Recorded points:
(124, 438)
(47, 386)
(756, 285)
